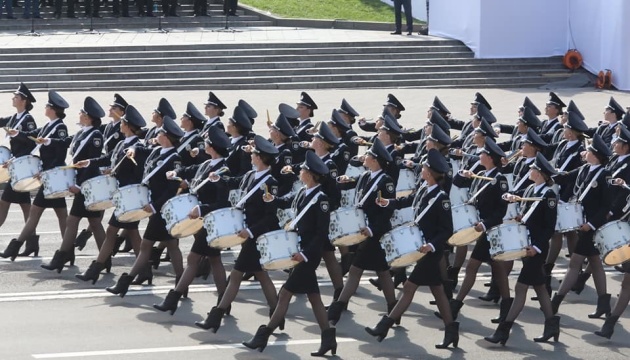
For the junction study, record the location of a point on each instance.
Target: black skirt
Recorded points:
(481, 251)
(201, 247)
(11, 196)
(122, 225)
(533, 272)
(156, 229)
(303, 279)
(42, 202)
(427, 270)
(585, 245)
(370, 256)
(78, 208)
(248, 259)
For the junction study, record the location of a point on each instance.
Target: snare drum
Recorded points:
(284, 216)
(510, 180)
(612, 240)
(401, 216)
(458, 195)
(130, 201)
(5, 155)
(508, 241)
(569, 217)
(98, 192)
(23, 171)
(512, 211)
(175, 213)
(276, 249)
(57, 182)
(464, 219)
(348, 198)
(406, 183)
(401, 245)
(354, 171)
(235, 195)
(222, 226)
(345, 226)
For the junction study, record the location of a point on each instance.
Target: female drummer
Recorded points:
(281, 134)
(491, 207)
(191, 122)
(126, 173)
(214, 110)
(239, 126)
(370, 256)
(211, 196)
(589, 185)
(157, 117)
(23, 103)
(312, 227)
(540, 219)
(260, 218)
(86, 144)
(433, 217)
(341, 156)
(53, 142)
(159, 161)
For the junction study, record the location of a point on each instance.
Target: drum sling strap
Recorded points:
(426, 209)
(36, 148)
(251, 192)
(533, 207)
(299, 216)
(186, 143)
(590, 185)
(371, 190)
(146, 179)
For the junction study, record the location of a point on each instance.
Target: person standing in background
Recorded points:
(229, 7)
(398, 5)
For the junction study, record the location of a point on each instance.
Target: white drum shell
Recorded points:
(354, 171)
(276, 249)
(458, 195)
(569, 216)
(612, 240)
(175, 213)
(5, 155)
(98, 192)
(406, 183)
(348, 198)
(129, 201)
(464, 216)
(284, 216)
(222, 226)
(345, 226)
(401, 216)
(508, 241)
(401, 245)
(57, 182)
(512, 211)
(22, 171)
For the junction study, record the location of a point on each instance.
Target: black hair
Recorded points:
(173, 139)
(59, 112)
(267, 159)
(29, 104)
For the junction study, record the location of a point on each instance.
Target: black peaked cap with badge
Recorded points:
(24, 91)
(555, 100)
(438, 135)
(573, 108)
(439, 106)
(241, 119)
(530, 119)
(624, 135)
(378, 151)
(485, 129)
(393, 101)
(307, 101)
(169, 127)
(284, 127)
(119, 101)
(437, 119)
(326, 134)
(55, 100)
(262, 146)
(214, 101)
(533, 138)
(347, 109)
(484, 112)
(315, 164)
(133, 117)
(626, 119)
(218, 139)
(165, 109)
(575, 122)
(92, 108)
(436, 162)
(390, 124)
(249, 110)
(529, 104)
(288, 111)
(599, 147)
(614, 106)
(542, 164)
(491, 148)
(338, 121)
(479, 99)
(198, 119)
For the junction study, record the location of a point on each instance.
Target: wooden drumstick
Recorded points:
(481, 177)
(32, 138)
(269, 123)
(380, 196)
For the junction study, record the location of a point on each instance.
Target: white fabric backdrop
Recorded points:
(418, 9)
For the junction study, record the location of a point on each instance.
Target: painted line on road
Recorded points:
(82, 354)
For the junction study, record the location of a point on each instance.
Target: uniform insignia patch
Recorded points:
(295, 145)
(398, 161)
(287, 160)
(62, 133)
(446, 204)
(188, 147)
(504, 185)
(274, 190)
(594, 184)
(177, 164)
(324, 206)
(31, 126)
(346, 156)
(450, 174)
(551, 203)
(96, 142)
(390, 187)
(333, 174)
(116, 135)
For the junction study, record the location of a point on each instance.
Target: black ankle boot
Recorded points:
(145, 275)
(453, 273)
(31, 246)
(185, 292)
(337, 293)
(502, 334)
(82, 239)
(259, 341)
(376, 283)
(59, 260)
(608, 328)
(381, 329)
(92, 273)
(213, 321)
(229, 308)
(156, 255)
(170, 302)
(603, 307)
(503, 311)
(580, 283)
(334, 311)
(400, 277)
(108, 265)
(203, 269)
(329, 342)
(451, 336)
(492, 294)
(281, 325)
(555, 303)
(390, 307)
(456, 305)
(122, 285)
(552, 330)
(118, 242)
(13, 249)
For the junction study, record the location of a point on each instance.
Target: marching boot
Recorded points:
(580, 283)
(213, 321)
(59, 260)
(185, 292)
(156, 255)
(122, 285)
(555, 303)
(552, 330)
(376, 283)
(451, 336)
(92, 273)
(608, 328)
(117, 244)
(334, 311)
(259, 341)
(501, 334)
(337, 293)
(229, 308)
(170, 302)
(281, 325)
(452, 274)
(448, 290)
(203, 269)
(400, 276)
(603, 307)
(82, 239)
(329, 342)
(456, 305)
(381, 329)
(346, 262)
(506, 304)
(390, 307)
(492, 294)
(145, 274)
(31, 246)
(13, 249)
(108, 265)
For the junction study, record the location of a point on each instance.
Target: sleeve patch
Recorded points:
(31, 126)
(97, 142)
(390, 187)
(504, 185)
(446, 205)
(324, 206)
(551, 202)
(62, 133)
(288, 160)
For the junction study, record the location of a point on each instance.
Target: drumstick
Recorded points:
(380, 196)
(73, 166)
(266, 190)
(481, 177)
(32, 138)
(269, 123)
(133, 160)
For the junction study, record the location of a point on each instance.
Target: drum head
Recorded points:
(186, 228)
(407, 259)
(58, 195)
(27, 185)
(280, 264)
(100, 206)
(464, 237)
(133, 215)
(403, 193)
(617, 256)
(509, 255)
(348, 240)
(226, 241)
(4, 175)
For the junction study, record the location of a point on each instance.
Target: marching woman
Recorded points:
(52, 144)
(281, 134)
(341, 155)
(214, 110)
(157, 117)
(86, 144)
(238, 128)
(158, 161)
(212, 196)
(260, 218)
(191, 122)
(589, 186)
(540, 219)
(370, 256)
(432, 214)
(311, 223)
(126, 173)
(348, 114)
(23, 103)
